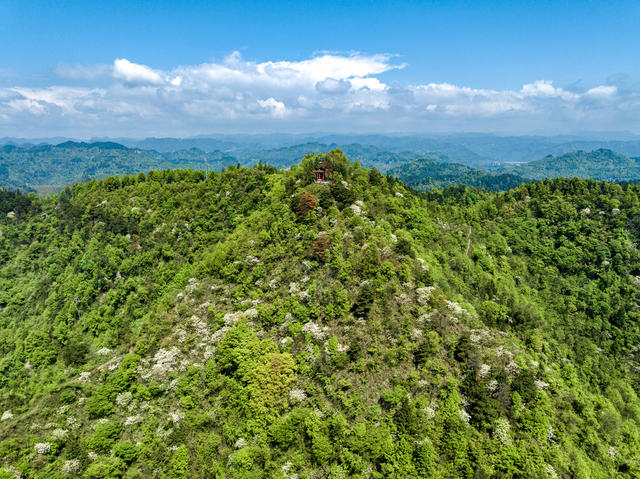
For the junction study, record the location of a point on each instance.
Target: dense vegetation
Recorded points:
(599, 164)
(49, 168)
(427, 174)
(252, 323)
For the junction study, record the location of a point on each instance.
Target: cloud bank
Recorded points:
(327, 92)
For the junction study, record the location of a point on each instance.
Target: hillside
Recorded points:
(427, 174)
(252, 323)
(48, 168)
(598, 164)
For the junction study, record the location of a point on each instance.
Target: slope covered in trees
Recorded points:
(252, 323)
(598, 164)
(427, 174)
(49, 168)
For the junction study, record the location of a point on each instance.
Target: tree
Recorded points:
(306, 204)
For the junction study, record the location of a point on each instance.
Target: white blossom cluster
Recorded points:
(551, 472)
(130, 420)
(315, 330)
(59, 433)
(492, 386)
(164, 361)
(541, 385)
(72, 466)
(42, 447)
(501, 431)
(6, 415)
(297, 395)
(464, 415)
(424, 294)
(483, 370)
(124, 399)
(176, 417)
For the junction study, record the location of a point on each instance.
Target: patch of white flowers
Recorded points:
(42, 447)
(72, 466)
(130, 420)
(123, 399)
(164, 362)
(551, 472)
(424, 294)
(501, 431)
(316, 331)
(59, 433)
(176, 417)
(541, 384)
(355, 209)
(297, 395)
(464, 415)
(6, 415)
(492, 386)
(483, 370)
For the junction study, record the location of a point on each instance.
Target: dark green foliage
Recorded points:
(427, 174)
(126, 450)
(599, 164)
(75, 353)
(105, 436)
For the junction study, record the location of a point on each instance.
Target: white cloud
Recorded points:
(328, 91)
(545, 88)
(277, 108)
(135, 73)
(602, 91)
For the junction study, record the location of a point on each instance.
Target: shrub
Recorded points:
(100, 403)
(126, 450)
(104, 437)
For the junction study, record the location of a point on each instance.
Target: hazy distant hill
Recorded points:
(47, 168)
(477, 150)
(427, 173)
(599, 164)
(367, 155)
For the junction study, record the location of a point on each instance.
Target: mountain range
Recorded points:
(49, 168)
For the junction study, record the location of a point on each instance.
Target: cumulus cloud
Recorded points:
(134, 73)
(326, 91)
(277, 108)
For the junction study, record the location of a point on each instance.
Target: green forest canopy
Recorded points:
(251, 323)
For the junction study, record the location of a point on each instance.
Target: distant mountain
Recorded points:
(47, 168)
(367, 155)
(429, 173)
(599, 164)
(478, 150)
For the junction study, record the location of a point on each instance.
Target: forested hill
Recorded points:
(427, 174)
(254, 324)
(598, 164)
(48, 168)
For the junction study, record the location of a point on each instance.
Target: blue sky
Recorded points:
(179, 68)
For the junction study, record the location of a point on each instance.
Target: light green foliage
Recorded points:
(183, 324)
